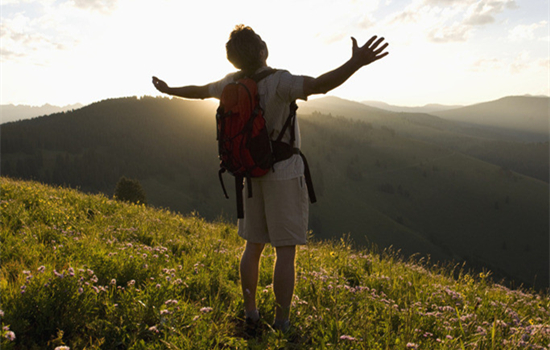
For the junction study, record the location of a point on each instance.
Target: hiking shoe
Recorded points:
(281, 326)
(251, 327)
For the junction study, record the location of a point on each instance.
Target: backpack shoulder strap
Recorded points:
(290, 122)
(263, 74)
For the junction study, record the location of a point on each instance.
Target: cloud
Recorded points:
(367, 22)
(102, 6)
(8, 55)
(544, 63)
(454, 33)
(448, 21)
(29, 39)
(483, 12)
(525, 32)
(486, 64)
(521, 63)
(405, 17)
(332, 38)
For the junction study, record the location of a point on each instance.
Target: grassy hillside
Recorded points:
(91, 273)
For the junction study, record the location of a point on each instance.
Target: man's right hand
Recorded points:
(160, 85)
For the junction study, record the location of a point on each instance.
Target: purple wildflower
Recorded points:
(347, 337)
(10, 336)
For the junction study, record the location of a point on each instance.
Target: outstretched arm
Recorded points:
(191, 91)
(361, 56)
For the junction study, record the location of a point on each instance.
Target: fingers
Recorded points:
(372, 46)
(382, 48)
(369, 45)
(377, 57)
(370, 41)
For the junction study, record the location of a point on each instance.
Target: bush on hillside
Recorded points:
(130, 190)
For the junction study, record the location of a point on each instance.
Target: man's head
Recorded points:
(245, 49)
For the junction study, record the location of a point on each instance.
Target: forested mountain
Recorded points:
(490, 142)
(381, 177)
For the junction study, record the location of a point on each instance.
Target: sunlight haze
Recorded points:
(447, 52)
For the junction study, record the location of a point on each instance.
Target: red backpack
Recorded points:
(244, 146)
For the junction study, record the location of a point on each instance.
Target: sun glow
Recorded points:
(63, 52)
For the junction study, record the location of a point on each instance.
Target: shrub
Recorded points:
(129, 190)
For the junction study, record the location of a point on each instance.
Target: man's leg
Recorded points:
(283, 282)
(250, 262)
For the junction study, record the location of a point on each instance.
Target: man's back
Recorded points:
(276, 92)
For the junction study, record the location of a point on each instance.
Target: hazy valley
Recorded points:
(435, 185)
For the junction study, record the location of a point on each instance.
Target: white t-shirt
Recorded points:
(276, 92)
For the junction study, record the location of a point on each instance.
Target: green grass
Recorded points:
(88, 272)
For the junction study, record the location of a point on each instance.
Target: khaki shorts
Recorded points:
(277, 213)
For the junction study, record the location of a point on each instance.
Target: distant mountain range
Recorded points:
(521, 150)
(525, 117)
(11, 113)
(516, 118)
(429, 108)
(413, 181)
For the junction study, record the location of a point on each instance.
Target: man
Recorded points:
(278, 211)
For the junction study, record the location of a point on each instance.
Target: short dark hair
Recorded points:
(243, 48)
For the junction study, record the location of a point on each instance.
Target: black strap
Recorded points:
(222, 170)
(256, 77)
(309, 182)
(239, 194)
(263, 74)
(290, 121)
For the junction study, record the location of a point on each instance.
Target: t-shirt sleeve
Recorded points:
(215, 89)
(291, 87)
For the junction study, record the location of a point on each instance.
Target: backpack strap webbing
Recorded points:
(290, 122)
(256, 77)
(263, 74)
(307, 175)
(239, 194)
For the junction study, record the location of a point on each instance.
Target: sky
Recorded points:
(452, 52)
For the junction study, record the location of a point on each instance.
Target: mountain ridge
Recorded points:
(428, 108)
(11, 112)
(524, 116)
